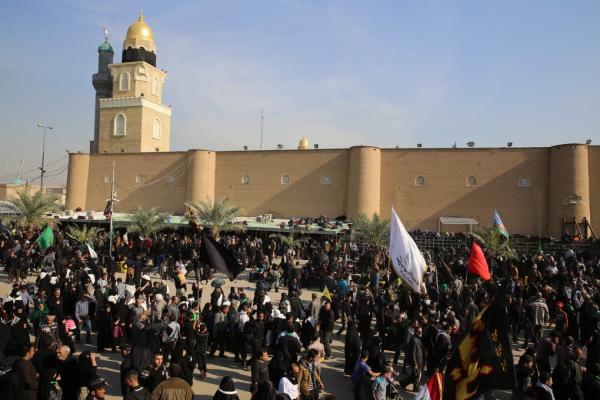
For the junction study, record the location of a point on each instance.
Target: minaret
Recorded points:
(103, 84)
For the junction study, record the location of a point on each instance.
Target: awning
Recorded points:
(458, 221)
(6, 207)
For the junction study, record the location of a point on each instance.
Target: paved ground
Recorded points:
(332, 369)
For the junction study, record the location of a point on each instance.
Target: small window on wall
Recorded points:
(246, 179)
(120, 125)
(471, 181)
(326, 180)
(106, 178)
(420, 181)
(139, 179)
(156, 129)
(124, 82)
(285, 179)
(524, 181)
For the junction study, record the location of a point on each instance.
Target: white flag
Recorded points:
(93, 254)
(407, 260)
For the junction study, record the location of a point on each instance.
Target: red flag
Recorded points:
(477, 264)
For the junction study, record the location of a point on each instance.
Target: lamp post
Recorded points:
(43, 154)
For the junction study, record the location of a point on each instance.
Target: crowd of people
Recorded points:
(393, 337)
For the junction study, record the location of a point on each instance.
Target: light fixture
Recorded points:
(509, 144)
(588, 142)
(419, 145)
(245, 147)
(279, 146)
(316, 145)
(471, 144)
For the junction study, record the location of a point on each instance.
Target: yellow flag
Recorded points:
(326, 294)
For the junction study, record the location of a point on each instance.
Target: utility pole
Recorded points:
(112, 207)
(262, 119)
(43, 154)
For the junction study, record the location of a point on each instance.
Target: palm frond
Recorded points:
(495, 243)
(217, 214)
(146, 222)
(82, 234)
(32, 206)
(374, 231)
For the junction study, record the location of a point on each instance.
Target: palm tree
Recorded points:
(217, 214)
(31, 207)
(84, 234)
(288, 241)
(146, 222)
(374, 231)
(495, 243)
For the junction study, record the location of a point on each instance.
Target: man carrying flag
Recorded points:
(407, 260)
(483, 360)
(499, 226)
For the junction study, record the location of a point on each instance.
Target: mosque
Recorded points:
(549, 190)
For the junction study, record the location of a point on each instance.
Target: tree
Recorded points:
(146, 222)
(84, 234)
(217, 214)
(31, 207)
(495, 243)
(374, 231)
(288, 241)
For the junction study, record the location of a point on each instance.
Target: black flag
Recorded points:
(218, 256)
(483, 360)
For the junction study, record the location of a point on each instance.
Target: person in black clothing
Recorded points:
(67, 369)
(136, 391)
(226, 390)
(151, 376)
(126, 366)
(87, 368)
(352, 347)
(590, 385)
(289, 345)
(326, 321)
(415, 359)
(259, 370)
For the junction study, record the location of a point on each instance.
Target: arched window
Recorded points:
(285, 179)
(156, 129)
(120, 125)
(523, 181)
(124, 82)
(139, 179)
(106, 178)
(326, 180)
(471, 181)
(420, 181)
(155, 86)
(246, 179)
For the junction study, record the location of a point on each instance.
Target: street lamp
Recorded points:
(43, 154)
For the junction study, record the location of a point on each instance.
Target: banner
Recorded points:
(407, 260)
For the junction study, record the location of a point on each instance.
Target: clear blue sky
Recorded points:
(342, 73)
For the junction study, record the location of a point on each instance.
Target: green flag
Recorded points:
(539, 247)
(46, 238)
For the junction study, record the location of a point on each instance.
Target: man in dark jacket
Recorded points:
(67, 369)
(590, 386)
(415, 359)
(575, 376)
(289, 345)
(326, 321)
(27, 372)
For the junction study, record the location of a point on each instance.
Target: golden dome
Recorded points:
(303, 144)
(139, 35)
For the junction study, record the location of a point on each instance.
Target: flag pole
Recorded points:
(112, 195)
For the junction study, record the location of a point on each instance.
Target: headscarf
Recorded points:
(226, 390)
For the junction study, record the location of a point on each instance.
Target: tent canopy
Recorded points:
(457, 221)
